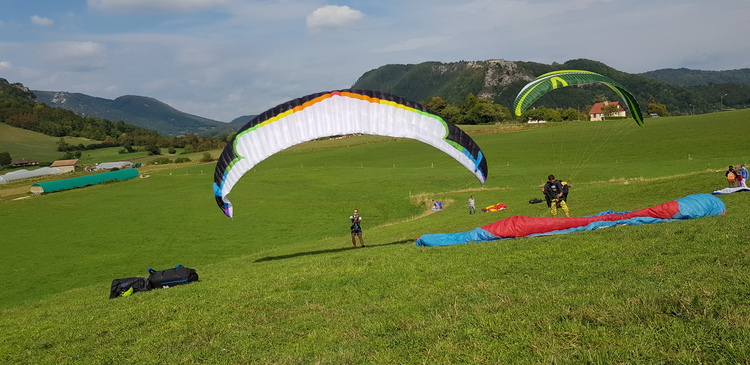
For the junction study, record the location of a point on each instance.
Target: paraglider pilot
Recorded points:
(553, 191)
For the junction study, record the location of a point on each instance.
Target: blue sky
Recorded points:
(222, 59)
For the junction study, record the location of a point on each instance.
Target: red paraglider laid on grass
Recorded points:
(689, 207)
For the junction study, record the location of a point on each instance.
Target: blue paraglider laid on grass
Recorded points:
(689, 207)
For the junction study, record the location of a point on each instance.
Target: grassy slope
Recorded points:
(279, 283)
(35, 145)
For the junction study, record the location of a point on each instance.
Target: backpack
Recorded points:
(177, 275)
(126, 286)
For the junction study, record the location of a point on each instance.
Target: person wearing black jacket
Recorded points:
(553, 192)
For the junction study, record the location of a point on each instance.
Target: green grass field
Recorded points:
(281, 284)
(21, 143)
(33, 145)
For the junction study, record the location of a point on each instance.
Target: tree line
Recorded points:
(454, 81)
(476, 110)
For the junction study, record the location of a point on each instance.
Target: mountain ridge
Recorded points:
(687, 77)
(682, 90)
(137, 110)
(499, 81)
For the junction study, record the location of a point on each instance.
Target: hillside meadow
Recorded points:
(22, 143)
(281, 284)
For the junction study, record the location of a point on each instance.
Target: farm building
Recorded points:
(598, 112)
(65, 165)
(82, 181)
(24, 162)
(26, 174)
(113, 165)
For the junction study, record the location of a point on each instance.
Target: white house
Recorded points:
(596, 113)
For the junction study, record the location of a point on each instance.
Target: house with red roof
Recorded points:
(597, 114)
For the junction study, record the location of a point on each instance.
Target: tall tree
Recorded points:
(656, 108)
(5, 159)
(436, 104)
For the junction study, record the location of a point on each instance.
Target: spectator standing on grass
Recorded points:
(743, 171)
(731, 177)
(738, 177)
(472, 207)
(356, 228)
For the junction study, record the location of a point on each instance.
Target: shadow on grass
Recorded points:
(318, 252)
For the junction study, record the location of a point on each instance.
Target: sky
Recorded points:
(222, 59)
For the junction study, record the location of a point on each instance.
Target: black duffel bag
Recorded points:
(177, 275)
(126, 286)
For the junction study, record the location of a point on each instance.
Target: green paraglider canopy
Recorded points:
(553, 80)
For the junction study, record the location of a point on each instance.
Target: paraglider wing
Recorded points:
(339, 113)
(553, 80)
(689, 207)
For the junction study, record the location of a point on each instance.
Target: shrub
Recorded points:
(206, 157)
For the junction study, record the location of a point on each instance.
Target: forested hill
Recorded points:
(688, 77)
(500, 81)
(136, 110)
(20, 108)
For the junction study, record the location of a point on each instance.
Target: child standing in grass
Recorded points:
(731, 176)
(744, 173)
(356, 228)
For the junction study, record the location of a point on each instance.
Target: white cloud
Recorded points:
(77, 56)
(255, 54)
(234, 97)
(38, 20)
(153, 6)
(412, 44)
(332, 16)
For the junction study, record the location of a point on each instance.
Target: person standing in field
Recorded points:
(356, 228)
(738, 177)
(553, 191)
(744, 173)
(472, 207)
(731, 177)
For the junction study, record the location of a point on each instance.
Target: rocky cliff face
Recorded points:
(17, 89)
(501, 73)
(490, 79)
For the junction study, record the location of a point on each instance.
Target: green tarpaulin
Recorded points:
(81, 181)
